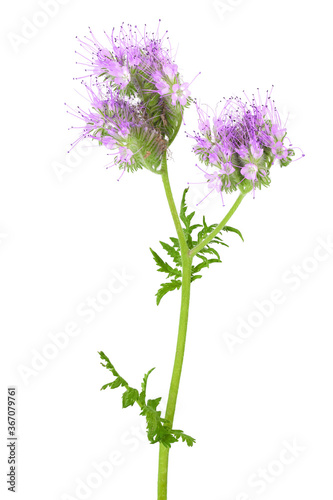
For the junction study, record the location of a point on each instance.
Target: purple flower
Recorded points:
(162, 86)
(279, 150)
(243, 152)
(121, 75)
(180, 93)
(227, 168)
(125, 155)
(256, 151)
(249, 171)
(171, 70)
(213, 180)
(108, 142)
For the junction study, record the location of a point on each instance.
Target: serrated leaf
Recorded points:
(183, 207)
(202, 257)
(144, 384)
(118, 382)
(164, 267)
(192, 228)
(130, 397)
(172, 251)
(233, 230)
(184, 437)
(108, 364)
(167, 439)
(167, 287)
(192, 241)
(106, 386)
(158, 428)
(153, 403)
(202, 265)
(175, 241)
(211, 251)
(199, 267)
(190, 217)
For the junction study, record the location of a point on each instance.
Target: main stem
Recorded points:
(187, 257)
(182, 329)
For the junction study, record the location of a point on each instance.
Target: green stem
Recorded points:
(165, 178)
(175, 379)
(187, 257)
(182, 329)
(219, 227)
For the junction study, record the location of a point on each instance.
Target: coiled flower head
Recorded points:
(241, 143)
(137, 96)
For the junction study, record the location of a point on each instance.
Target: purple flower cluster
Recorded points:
(241, 143)
(137, 96)
(121, 126)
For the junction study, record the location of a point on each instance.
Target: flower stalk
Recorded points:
(220, 226)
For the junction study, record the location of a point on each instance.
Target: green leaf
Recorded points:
(158, 428)
(202, 265)
(167, 439)
(106, 386)
(183, 207)
(233, 230)
(144, 385)
(108, 364)
(190, 217)
(192, 228)
(130, 397)
(167, 287)
(184, 437)
(175, 242)
(118, 382)
(153, 403)
(153, 420)
(164, 267)
(173, 252)
(210, 251)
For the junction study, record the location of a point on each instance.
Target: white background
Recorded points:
(62, 237)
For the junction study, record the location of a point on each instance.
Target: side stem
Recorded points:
(219, 227)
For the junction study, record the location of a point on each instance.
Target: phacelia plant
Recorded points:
(137, 98)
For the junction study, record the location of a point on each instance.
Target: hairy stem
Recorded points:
(174, 212)
(182, 329)
(219, 227)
